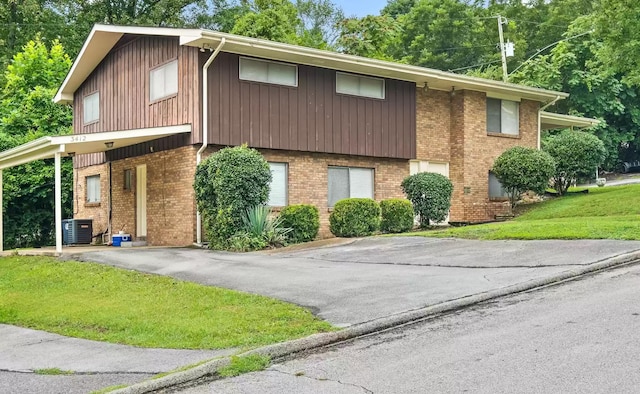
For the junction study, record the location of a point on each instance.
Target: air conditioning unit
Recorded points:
(77, 231)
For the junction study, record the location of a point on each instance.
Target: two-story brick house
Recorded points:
(154, 101)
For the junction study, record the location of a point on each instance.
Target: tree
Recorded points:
(430, 194)
(370, 36)
(576, 153)
(520, 169)
(616, 23)
(27, 112)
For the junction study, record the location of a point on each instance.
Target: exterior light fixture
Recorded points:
(109, 144)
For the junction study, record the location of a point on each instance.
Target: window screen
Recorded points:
(93, 188)
(495, 187)
(91, 108)
(163, 81)
(278, 189)
(345, 182)
(268, 72)
(359, 86)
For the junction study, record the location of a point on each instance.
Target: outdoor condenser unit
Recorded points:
(77, 231)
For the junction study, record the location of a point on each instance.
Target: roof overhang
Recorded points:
(550, 121)
(103, 38)
(75, 144)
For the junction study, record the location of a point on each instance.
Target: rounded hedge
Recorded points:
(303, 220)
(397, 215)
(354, 217)
(430, 194)
(227, 184)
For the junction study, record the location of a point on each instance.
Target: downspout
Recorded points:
(540, 116)
(205, 126)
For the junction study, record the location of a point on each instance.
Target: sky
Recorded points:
(361, 7)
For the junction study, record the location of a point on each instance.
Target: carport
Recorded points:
(57, 147)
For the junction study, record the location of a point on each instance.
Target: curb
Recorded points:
(324, 339)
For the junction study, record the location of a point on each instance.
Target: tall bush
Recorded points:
(397, 215)
(303, 220)
(430, 194)
(520, 169)
(227, 184)
(354, 217)
(576, 153)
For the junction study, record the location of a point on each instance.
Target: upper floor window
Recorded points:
(268, 72)
(163, 81)
(349, 182)
(278, 187)
(503, 116)
(91, 108)
(359, 86)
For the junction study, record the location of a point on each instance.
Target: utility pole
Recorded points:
(505, 75)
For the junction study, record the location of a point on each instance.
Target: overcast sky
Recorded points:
(361, 7)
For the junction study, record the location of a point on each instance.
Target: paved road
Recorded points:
(373, 277)
(578, 337)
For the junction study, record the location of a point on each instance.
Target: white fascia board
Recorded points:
(554, 120)
(113, 136)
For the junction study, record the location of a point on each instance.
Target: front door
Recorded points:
(141, 201)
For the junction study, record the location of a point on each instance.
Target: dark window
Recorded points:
(503, 116)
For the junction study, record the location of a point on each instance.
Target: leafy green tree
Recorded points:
(430, 194)
(275, 20)
(27, 112)
(370, 36)
(520, 169)
(576, 153)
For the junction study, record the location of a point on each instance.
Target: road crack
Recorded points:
(300, 375)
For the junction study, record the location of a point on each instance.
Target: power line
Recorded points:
(476, 65)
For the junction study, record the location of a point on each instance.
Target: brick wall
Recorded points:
(451, 127)
(308, 177)
(82, 209)
(479, 153)
(171, 205)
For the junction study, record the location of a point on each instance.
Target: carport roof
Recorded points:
(550, 121)
(70, 145)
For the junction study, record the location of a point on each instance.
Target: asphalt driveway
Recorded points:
(373, 277)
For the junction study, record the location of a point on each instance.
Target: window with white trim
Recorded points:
(91, 108)
(278, 187)
(503, 116)
(358, 85)
(350, 182)
(93, 188)
(163, 81)
(268, 72)
(496, 191)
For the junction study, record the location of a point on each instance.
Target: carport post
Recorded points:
(1, 214)
(58, 204)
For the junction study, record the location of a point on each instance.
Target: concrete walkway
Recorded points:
(372, 277)
(24, 353)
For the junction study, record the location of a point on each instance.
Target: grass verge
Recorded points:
(604, 213)
(97, 302)
(245, 364)
(52, 371)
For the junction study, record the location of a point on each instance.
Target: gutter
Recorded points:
(205, 126)
(540, 115)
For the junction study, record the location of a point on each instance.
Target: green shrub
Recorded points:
(520, 169)
(227, 184)
(397, 215)
(430, 194)
(576, 153)
(303, 220)
(261, 224)
(354, 217)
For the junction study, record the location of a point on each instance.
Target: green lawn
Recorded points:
(97, 302)
(604, 213)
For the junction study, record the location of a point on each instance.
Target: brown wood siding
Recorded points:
(122, 80)
(311, 117)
